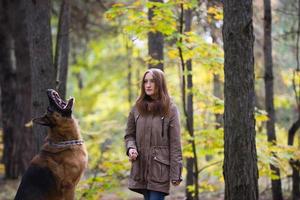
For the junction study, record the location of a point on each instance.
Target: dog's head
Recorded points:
(57, 111)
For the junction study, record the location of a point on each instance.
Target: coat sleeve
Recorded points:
(175, 145)
(130, 131)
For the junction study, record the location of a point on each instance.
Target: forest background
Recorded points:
(108, 54)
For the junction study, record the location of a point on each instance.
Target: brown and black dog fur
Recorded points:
(54, 173)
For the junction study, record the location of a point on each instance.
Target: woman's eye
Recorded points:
(149, 81)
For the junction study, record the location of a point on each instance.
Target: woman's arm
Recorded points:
(175, 146)
(130, 133)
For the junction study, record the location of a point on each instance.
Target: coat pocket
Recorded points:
(160, 164)
(135, 172)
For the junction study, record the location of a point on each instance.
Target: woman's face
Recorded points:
(149, 85)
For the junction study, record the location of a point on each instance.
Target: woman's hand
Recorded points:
(133, 154)
(175, 183)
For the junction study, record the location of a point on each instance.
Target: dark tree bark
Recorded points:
(43, 72)
(20, 19)
(189, 177)
(190, 113)
(155, 43)
(62, 48)
(187, 102)
(269, 94)
(0, 106)
(8, 91)
(240, 158)
(295, 164)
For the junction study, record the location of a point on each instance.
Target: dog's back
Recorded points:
(37, 184)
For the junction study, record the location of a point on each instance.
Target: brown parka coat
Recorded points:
(157, 140)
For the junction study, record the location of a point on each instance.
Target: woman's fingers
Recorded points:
(175, 183)
(133, 154)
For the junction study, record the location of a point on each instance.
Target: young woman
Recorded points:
(153, 139)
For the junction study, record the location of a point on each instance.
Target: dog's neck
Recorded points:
(65, 132)
(65, 144)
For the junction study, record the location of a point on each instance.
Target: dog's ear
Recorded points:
(70, 104)
(42, 121)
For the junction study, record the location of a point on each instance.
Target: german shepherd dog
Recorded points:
(56, 170)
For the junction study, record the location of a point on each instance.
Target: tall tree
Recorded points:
(19, 20)
(41, 63)
(62, 48)
(269, 94)
(189, 114)
(8, 92)
(185, 25)
(155, 43)
(0, 106)
(240, 158)
(296, 125)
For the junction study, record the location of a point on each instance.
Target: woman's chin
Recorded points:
(150, 94)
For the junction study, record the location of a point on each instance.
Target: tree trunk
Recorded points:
(43, 72)
(269, 94)
(62, 49)
(189, 177)
(294, 163)
(240, 158)
(1, 126)
(190, 116)
(155, 43)
(20, 20)
(8, 91)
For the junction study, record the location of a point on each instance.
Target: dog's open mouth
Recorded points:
(59, 105)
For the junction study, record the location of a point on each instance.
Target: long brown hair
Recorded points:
(160, 105)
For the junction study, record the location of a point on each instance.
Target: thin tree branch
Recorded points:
(182, 60)
(209, 165)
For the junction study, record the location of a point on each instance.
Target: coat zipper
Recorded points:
(162, 126)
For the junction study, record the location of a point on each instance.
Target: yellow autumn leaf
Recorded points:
(173, 53)
(261, 118)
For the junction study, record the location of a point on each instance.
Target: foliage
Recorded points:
(98, 79)
(103, 104)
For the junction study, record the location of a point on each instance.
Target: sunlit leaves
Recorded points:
(102, 106)
(164, 19)
(135, 18)
(215, 12)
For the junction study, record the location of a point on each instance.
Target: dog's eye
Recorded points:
(57, 114)
(50, 110)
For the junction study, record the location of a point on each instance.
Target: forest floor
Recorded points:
(8, 189)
